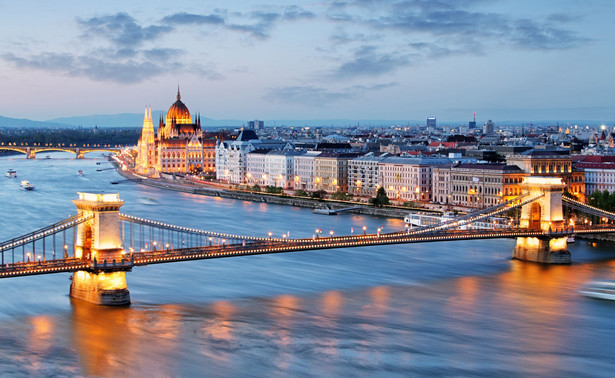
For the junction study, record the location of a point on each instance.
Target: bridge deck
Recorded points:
(277, 246)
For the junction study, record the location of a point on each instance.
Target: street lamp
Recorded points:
(331, 233)
(270, 233)
(154, 243)
(364, 229)
(28, 254)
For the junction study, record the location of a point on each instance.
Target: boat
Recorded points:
(47, 157)
(599, 290)
(80, 172)
(148, 201)
(426, 219)
(570, 239)
(25, 185)
(11, 173)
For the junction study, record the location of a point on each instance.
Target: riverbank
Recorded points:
(184, 185)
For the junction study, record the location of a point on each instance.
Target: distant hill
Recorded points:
(134, 120)
(27, 123)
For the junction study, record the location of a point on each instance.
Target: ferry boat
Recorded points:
(600, 290)
(25, 185)
(425, 219)
(11, 173)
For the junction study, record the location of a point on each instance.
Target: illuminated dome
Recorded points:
(178, 112)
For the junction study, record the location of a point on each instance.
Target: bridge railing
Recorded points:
(588, 209)
(479, 215)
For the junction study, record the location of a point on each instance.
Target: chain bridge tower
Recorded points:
(546, 214)
(98, 240)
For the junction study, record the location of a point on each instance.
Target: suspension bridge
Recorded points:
(100, 244)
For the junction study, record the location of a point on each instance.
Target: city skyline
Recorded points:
(359, 59)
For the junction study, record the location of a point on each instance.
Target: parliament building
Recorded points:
(179, 146)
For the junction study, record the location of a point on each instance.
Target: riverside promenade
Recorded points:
(181, 184)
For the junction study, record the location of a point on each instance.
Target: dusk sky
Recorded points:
(362, 59)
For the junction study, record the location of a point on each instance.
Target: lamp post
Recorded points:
(28, 255)
(364, 230)
(331, 233)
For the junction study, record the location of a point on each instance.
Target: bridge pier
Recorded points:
(545, 250)
(101, 288)
(30, 153)
(98, 239)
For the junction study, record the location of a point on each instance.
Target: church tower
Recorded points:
(146, 161)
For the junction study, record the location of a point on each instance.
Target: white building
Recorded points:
(599, 173)
(408, 178)
(363, 174)
(271, 168)
(304, 170)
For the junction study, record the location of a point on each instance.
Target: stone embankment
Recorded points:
(182, 185)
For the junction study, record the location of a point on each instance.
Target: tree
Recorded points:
(301, 193)
(381, 198)
(341, 196)
(318, 194)
(256, 188)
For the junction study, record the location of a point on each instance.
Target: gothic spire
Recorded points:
(179, 97)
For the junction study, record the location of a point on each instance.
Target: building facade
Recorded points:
(177, 147)
(304, 171)
(364, 174)
(552, 164)
(408, 178)
(331, 171)
(476, 185)
(599, 172)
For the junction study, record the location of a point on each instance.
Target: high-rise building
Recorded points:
(431, 123)
(488, 127)
(256, 125)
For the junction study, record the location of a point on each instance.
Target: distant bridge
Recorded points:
(31, 151)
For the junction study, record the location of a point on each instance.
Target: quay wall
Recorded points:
(188, 187)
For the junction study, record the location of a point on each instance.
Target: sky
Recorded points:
(355, 59)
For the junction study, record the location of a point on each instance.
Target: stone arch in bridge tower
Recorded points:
(545, 212)
(535, 216)
(98, 241)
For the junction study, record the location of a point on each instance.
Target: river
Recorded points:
(444, 309)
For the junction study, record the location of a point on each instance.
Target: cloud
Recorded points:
(451, 21)
(125, 71)
(318, 96)
(533, 36)
(367, 61)
(121, 29)
(197, 19)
